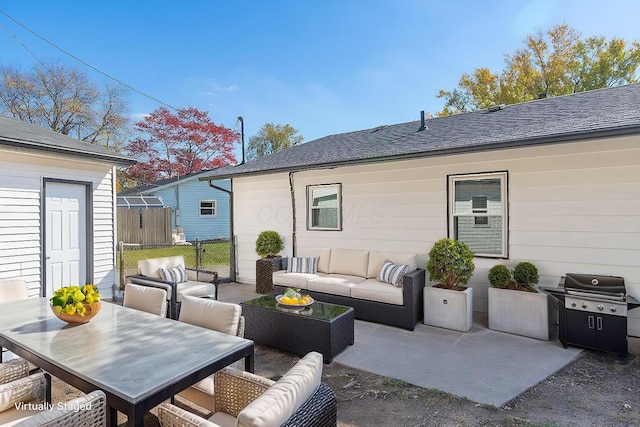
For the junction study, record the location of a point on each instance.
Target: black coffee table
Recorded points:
(322, 327)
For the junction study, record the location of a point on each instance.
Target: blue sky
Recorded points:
(324, 67)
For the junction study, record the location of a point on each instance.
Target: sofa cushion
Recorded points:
(294, 280)
(150, 267)
(323, 255)
(302, 265)
(392, 273)
(280, 401)
(351, 262)
(377, 258)
(175, 274)
(373, 290)
(335, 284)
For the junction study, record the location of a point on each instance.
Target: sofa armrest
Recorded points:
(200, 275)
(412, 292)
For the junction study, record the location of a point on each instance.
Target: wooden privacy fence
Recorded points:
(145, 226)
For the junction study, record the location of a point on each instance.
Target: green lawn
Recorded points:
(214, 254)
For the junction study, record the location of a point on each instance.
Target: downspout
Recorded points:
(232, 239)
(293, 215)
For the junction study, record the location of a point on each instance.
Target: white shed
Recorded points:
(57, 209)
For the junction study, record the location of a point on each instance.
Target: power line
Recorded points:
(78, 59)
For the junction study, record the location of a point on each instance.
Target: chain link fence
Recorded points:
(213, 255)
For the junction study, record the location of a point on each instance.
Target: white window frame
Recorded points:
(311, 208)
(503, 177)
(214, 204)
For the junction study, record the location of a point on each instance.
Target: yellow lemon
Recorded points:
(293, 300)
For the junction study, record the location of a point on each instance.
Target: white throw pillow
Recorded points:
(303, 265)
(392, 273)
(176, 274)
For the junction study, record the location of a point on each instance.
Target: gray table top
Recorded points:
(126, 352)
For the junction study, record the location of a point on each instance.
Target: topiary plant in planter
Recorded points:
(522, 278)
(525, 274)
(268, 244)
(450, 264)
(500, 276)
(448, 303)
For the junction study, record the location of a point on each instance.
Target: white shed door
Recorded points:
(65, 228)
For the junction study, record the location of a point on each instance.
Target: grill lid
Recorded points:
(592, 282)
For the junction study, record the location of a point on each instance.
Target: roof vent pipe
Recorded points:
(423, 126)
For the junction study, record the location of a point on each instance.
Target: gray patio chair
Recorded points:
(145, 298)
(18, 387)
(93, 413)
(298, 399)
(218, 316)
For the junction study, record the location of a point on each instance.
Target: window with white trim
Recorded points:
(208, 208)
(478, 212)
(324, 207)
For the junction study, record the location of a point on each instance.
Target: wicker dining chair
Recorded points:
(219, 316)
(20, 392)
(298, 398)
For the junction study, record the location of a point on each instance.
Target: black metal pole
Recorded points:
(242, 136)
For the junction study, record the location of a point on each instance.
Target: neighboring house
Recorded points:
(200, 210)
(57, 209)
(553, 181)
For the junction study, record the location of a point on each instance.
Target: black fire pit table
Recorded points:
(322, 327)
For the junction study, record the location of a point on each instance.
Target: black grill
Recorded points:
(592, 312)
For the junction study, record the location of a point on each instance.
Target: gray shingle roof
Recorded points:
(17, 133)
(598, 113)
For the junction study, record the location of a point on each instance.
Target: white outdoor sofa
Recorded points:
(349, 277)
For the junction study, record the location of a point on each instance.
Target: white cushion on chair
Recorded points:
(151, 267)
(286, 396)
(211, 314)
(13, 290)
(195, 289)
(145, 298)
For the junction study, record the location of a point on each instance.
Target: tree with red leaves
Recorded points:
(178, 144)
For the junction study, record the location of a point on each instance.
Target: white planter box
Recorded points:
(520, 313)
(449, 309)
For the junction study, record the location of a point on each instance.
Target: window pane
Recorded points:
(325, 197)
(324, 218)
(486, 239)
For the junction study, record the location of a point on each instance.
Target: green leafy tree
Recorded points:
(552, 64)
(271, 139)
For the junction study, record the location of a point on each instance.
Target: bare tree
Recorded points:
(65, 100)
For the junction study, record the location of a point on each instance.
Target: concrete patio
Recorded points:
(485, 366)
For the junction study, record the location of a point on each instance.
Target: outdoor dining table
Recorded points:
(138, 359)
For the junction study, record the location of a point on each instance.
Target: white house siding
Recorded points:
(21, 176)
(573, 207)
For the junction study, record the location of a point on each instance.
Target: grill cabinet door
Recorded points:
(581, 328)
(611, 333)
